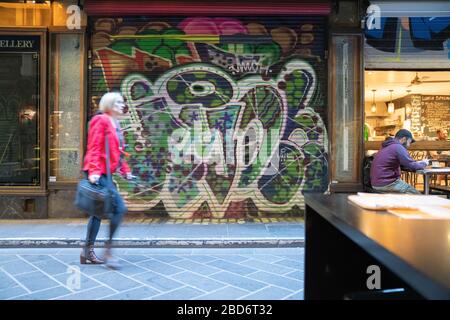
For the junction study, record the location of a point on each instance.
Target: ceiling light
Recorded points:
(391, 106)
(374, 105)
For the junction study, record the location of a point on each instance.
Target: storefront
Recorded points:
(42, 68)
(227, 102)
(407, 79)
(234, 109)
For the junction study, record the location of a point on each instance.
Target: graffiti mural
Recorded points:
(402, 42)
(226, 116)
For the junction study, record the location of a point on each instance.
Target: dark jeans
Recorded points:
(116, 218)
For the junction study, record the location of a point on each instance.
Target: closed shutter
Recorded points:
(226, 115)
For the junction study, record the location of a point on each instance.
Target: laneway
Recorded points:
(159, 273)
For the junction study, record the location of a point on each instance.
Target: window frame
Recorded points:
(41, 189)
(355, 183)
(55, 31)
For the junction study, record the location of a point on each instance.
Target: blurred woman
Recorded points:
(105, 124)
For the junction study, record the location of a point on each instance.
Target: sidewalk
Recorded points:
(70, 232)
(154, 273)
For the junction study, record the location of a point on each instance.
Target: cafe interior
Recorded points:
(417, 101)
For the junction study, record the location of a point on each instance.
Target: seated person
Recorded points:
(441, 135)
(385, 170)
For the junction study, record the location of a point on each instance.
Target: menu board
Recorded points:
(416, 110)
(435, 114)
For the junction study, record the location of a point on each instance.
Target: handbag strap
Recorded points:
(108, 166)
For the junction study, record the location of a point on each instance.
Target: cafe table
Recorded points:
(346, 246)
(428, 172)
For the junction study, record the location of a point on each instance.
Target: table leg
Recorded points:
(426, 184)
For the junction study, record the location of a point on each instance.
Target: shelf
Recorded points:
(375, 116)
(390, 126)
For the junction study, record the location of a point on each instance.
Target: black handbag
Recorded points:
(95, 199)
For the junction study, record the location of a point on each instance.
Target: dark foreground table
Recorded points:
(343, 240)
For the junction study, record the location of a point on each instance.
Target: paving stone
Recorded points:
(226, 293)
(16, 267)
(45, 294)
(167, 258)
(51, 266)
(199, 268)
(11, 291)
(269, 267)
(297, 274)
(184, 293)
(6, 281)
(159, 267)
(116, 281)
(130, 269)
(199, 258)
(134, 294)
(134, 258)
(231, 267)
(281, 281)
(158, 281)
(239, 281)
(35, 258)
(299, 295)
(295, 264)
(85, 282)
(269, 293)
(231, 257)
(198, 281)
(36, 281)
(90, 294)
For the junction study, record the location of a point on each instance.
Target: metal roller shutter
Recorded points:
(212, 102)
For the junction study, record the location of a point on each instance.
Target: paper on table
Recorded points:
(441, 212)
(434, 212)
(374, 201)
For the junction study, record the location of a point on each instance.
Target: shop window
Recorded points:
(415, 100)
(66, 106)
(19, 111)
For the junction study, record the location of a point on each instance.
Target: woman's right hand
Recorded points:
(93, 178)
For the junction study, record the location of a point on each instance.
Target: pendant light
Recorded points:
(391, 106)
(374, 105)
(408, 108)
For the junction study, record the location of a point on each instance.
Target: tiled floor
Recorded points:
(164, 273)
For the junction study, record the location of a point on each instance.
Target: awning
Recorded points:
(120, 8)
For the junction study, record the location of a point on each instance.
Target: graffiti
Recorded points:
(225, 117)
(417, 41)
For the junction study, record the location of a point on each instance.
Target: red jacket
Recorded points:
(95, 158)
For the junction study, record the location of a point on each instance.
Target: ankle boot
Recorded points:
(110, 261)
(88, 256)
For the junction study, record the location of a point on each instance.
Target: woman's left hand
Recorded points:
(130, 176)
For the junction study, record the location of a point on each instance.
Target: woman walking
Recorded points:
(104, 128)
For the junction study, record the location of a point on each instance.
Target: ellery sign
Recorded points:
(18, 43)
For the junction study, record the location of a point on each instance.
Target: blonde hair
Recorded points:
(108, 100)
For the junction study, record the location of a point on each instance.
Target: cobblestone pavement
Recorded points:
(154, 273)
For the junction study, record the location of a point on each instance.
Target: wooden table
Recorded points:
(428, 172)
(342, 240)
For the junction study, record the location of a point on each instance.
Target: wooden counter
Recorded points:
(417, 146)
